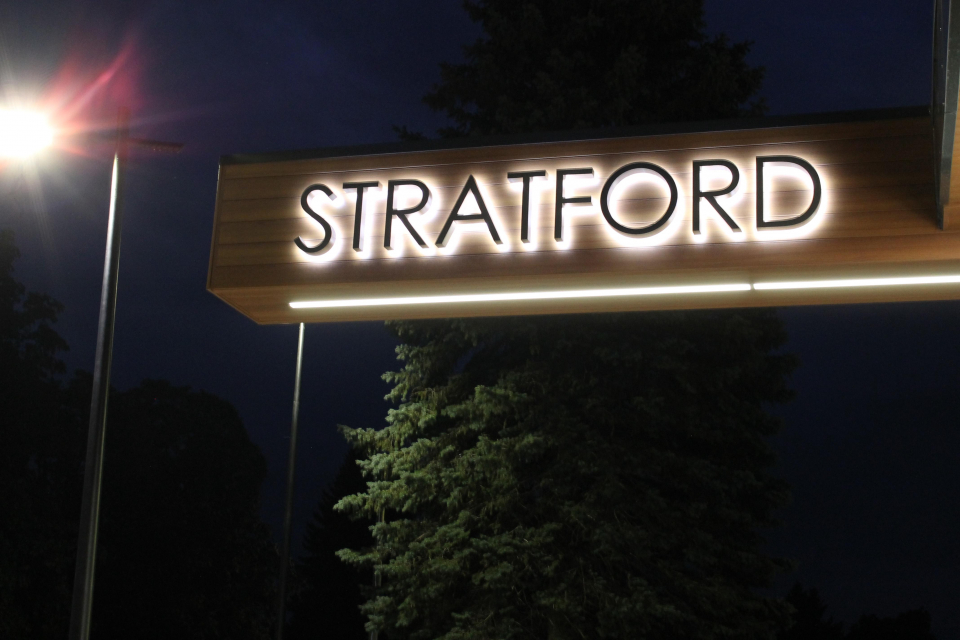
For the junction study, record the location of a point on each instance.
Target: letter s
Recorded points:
(327, 229)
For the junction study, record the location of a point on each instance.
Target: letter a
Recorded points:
(455, 216)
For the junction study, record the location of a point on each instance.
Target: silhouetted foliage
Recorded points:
(39, 452)
(549, 65)
(809, 621)
(909, 625)
(182, 551)
(328, 595)
(185, 554)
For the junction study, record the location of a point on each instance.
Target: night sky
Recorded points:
(872, 441)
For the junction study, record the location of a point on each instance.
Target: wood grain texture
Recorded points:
(877, 217)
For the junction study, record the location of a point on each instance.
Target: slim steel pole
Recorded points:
(288, 510)
(93, 471)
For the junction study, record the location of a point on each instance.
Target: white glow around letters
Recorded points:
(521, 296)
(402, 242)
(713, 177)
(579, 185)
(858, 282)
(331, 252)
(477, 227)
(661, 235)
(374, 201)
(537, 187)
(775, 170)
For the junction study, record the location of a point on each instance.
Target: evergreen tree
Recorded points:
(598, 476)
(592, 476)
(808, 620)
(548, 65)
(328, 593)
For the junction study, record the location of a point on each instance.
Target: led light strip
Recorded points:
(524, 295)
(862, 282)
(623, 292)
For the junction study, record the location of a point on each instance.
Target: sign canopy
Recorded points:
(774, 212)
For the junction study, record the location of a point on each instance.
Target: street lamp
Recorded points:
(22, 134)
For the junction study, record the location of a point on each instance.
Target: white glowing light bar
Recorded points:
(861, 282)
(622, 292)
(23, 133)
(520, 296)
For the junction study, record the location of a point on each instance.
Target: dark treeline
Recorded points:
(811, 622)
(182, 550)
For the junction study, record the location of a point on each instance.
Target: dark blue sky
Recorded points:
(872, 440)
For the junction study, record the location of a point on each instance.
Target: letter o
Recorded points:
(622, 173)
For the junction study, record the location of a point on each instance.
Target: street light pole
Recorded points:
(80, 615)
(93, 470)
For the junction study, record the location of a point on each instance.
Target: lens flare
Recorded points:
(23, 133)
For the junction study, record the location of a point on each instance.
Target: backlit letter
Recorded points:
(526, 176)
(327, 229)
(470, 187)
(560, 200)
(711, 196)
(622, 173)
(357, 216)
(401, 214)
(762, 222)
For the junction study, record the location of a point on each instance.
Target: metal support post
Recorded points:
(288, 510)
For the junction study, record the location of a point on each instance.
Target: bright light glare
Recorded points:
(525, 295)
(23, 133)
(862, 282)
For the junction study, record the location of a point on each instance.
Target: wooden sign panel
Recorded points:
(805, 214)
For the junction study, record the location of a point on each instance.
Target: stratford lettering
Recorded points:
(704, 201)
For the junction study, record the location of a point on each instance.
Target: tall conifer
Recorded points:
(599, 476)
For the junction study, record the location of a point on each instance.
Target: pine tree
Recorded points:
(601, 476)
(604, 476)
(550, 65)
(328, 592)
(809, 621)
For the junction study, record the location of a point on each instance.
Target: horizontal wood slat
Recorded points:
(678, 163)
(877, 215)
(617, 263)
(853, 199)
(593, 236)
(671, 142)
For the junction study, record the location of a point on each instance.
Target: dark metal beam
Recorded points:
(946, 88)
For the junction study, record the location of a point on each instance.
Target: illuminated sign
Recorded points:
(615, 182)
(787, 214)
